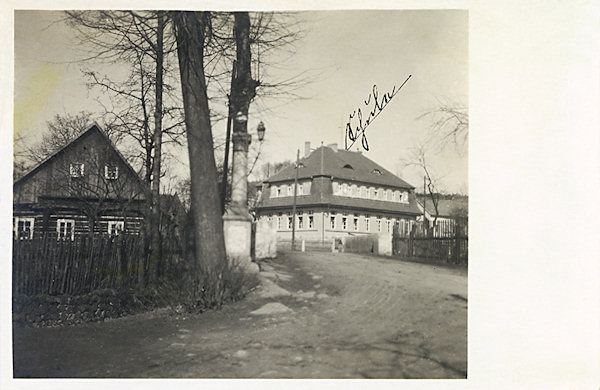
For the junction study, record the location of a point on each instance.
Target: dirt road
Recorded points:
(317, 315)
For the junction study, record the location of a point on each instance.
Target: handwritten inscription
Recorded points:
(356, 126)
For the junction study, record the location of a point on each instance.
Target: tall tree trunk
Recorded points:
(158, 89)
(206, 206)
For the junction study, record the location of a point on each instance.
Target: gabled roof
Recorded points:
(341, 164)
(447, 205)
(94, 128)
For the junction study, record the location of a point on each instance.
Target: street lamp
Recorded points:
(260, 130)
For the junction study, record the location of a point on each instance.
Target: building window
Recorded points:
(390, 195)
(355, 223)
(279, 217)
(389, 225)
(111, 172)
(367, 223)
(355, 191)
(345, 189)
(376, 172)
(363, 192)
(115, 227)
(332, 221)
(405, 197)
(384, 193)
(77, 169)
(375, 193)
(290, 191)
(344, 222)
(379, 224)
(300, 189)
(65, 229)
(23, 228)
(300, 222)
(289, 225)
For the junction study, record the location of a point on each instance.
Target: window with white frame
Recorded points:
(115, 227)
(344, 222)
(379, 224)
(355, 224)
(76, 169)
(300, 221)
(384, 192)
(405, 197)
(310, 219)
(65, 229)
(367, 223)
(111, 172)
(278, 191)
(345, 189)
(279, 218)
(289, 224)
(332, 221)
(23, 228)
(290, 191)
(375, 193)
(389, 225)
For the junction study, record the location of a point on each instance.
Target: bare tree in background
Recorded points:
(432, 191)
(449, 124)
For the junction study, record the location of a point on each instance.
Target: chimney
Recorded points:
(333, 146)
(306, 148)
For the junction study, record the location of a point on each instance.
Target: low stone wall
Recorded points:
(46, 310)
(266, 240)
(361, 244)
(379, 243)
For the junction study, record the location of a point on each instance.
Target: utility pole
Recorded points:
(294, 206)
(424, 201)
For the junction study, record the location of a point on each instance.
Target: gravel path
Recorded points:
(317, 315)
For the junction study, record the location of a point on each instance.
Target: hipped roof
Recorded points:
(343, 164)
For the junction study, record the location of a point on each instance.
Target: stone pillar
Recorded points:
(237, 222)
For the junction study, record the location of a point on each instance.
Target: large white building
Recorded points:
(339, 193)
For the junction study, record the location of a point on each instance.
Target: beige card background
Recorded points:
(534, 186)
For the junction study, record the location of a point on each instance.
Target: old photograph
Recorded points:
(235, 194)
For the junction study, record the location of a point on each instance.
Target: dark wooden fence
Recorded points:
(449, 247)
(56, 267)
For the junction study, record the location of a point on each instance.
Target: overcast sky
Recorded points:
(345, 53)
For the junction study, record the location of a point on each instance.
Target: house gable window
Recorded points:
(23, 228)
(111, 172)
(65, 229)
(77, 170)
(376, 172)
(115, 227)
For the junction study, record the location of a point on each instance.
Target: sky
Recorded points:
(343, 54)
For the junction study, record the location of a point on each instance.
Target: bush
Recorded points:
(201, 289)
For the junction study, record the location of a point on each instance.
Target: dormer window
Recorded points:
(348, 166)
(111, 172)
(77, 169)
(376, 172)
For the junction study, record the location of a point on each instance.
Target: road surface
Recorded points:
(316, 315)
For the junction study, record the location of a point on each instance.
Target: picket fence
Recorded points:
(57, 267)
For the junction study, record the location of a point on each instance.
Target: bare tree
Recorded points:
(449, 124)
(60, 132)
(418, 158)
